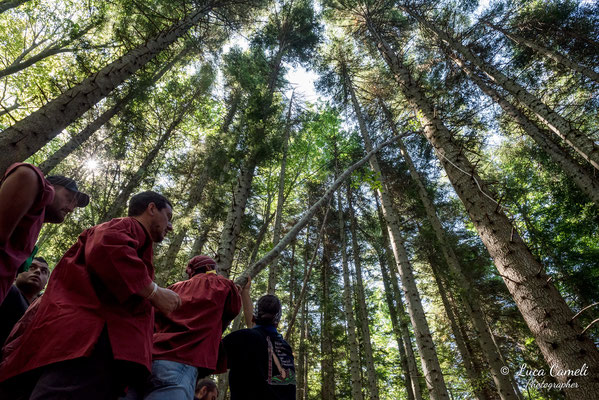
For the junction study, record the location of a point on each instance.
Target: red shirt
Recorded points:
(191, 335)
(92, 286)
(20, 244)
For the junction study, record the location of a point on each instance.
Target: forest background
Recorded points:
(459, 261)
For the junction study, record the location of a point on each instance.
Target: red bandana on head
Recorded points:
(200, 263)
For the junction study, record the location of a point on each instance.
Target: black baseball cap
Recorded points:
(70, 184)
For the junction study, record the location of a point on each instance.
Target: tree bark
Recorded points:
(8, 4)
(354, 350)
(326, 342)
(580, 142)
(550, 54)
(232, 227)
(361, 300)
(276, 235)
(430, 362)
(546, 313)
(32, 132)
(583, 178)
(77, 140)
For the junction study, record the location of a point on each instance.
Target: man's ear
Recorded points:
(202, 392)
(152, 208)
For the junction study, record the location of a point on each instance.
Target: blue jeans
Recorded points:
(170, 380)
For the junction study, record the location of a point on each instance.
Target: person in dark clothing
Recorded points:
(260, 361)
(26, 289)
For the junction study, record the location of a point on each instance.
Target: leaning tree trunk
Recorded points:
(361, 303)
(276, 235)
(584, 178)
(470, 297)
(8, 4)
(326, 342)
(547, 315)
(550, 54)
(354, 351)
(580, 142)
(474, 376)
(75, 141)
(396, 328)
(430, 362)
(32, 132)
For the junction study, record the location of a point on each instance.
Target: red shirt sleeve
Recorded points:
(111, 253)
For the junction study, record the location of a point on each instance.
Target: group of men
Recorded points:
(103, 329)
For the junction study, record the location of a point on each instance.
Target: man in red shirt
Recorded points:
(91, 334)
(186, 342)
(27, 200)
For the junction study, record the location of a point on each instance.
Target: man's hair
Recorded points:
(267, 310)
(139, 203)
(207, 383)
(41, 259)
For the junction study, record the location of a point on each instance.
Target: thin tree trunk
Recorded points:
(77, 140)
(470, 297)
(401, 346)
(307, 274)
(303, 221)
(580, 142)
(430, 362)
(583, 178)
(301, 356)
(276, 235)
(361, 300)
(550, 54)
(546, 313)
(354, 351)
(8, 4)
(326, 342)
(31, 133)
(200, 241)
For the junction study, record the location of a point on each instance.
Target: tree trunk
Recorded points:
(583, 178)
(32, 132)
(430, 362)
(580, 142)
(550, 54)
(401, 346)
(326, 343)
(232, 227)
(307, 274)
(476, 379)
(469, 295)
(303, 221)
(354, 350)
(544, 310)
(77, 140)
(302, 358)
(200, 241)
(276, 235)
(361, 300)
(8, 4)
(403, 318)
